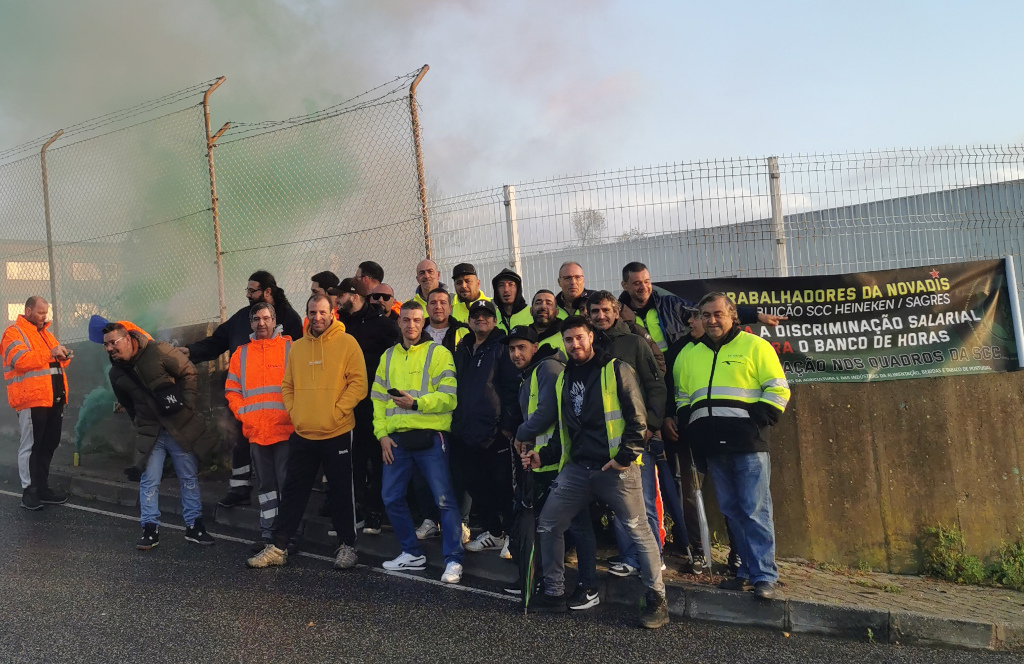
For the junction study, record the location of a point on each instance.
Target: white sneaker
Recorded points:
(485, 541)
(452, 572)
(505, 553)
(623, 569)
(465, 534)
(407, 561)
(427, 529)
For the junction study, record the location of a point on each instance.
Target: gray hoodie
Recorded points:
(548, 364)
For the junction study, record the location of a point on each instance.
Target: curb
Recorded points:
(690, 602)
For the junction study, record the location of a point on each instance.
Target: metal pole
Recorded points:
(514, 259)
(1018, 329)
(778, 227)
(49, 235)
(213, 198)
(419, 160)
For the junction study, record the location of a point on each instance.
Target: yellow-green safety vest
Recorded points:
(614, 423)
(545, 438)
(521, 317)
(427, 372)
(652, 324)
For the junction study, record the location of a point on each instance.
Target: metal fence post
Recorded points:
(419, 160)
(49, 234)
(210, 140)
(778, 226)
(514, 260)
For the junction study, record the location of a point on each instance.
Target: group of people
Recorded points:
(588, 395)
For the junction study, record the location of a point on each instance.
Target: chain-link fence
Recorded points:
(799, 215)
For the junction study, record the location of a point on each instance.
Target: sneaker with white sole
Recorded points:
(623, 569)
(505, 553)
(269, 557)
(452, 572)
(346, 557)
(427, 530)
(465, 534)
(583, 598)
(406, 561)
(485, 541)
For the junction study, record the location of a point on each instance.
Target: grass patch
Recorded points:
(945, 557)
(1009, 570)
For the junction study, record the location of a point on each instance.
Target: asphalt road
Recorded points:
(74, 589)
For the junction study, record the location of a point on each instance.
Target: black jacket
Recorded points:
(488, 391)
(235, 331)
(449, 335)
(622, 344)
(586, 433)
(158, 364)
(575, 307)
(374, 331)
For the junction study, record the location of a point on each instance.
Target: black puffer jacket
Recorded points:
(632, 349)
(235, 331)
(488, 391)
(157, 364)
(374, 331)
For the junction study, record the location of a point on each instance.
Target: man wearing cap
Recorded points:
(508, 296)
(572, 301)
(467, 290)
(544, 312)
(375, 332)
(485, 417)
(428, 277)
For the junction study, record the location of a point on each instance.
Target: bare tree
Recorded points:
(632, 235)
(589, 226)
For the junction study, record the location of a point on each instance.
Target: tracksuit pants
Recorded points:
(241, 460)
(40, 436)
(305, 458)
(270, 468)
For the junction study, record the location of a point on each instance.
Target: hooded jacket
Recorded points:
(235, 332)
(520, 309)
(253, 389)
(374, 331)
(575, 307)
(156, 364)
(632, 349)
(32, 375)
(488, 390)
(547, 363)
(324, 380)
(672, 312)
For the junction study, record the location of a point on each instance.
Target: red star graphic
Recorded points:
(935, 274)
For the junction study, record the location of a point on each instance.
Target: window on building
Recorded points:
(28, 271)
(85, 272)
(15, 310)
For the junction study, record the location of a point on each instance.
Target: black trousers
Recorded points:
(486, 473)
(40, 434)
(368, 464)
(305, 458)
(241, 458)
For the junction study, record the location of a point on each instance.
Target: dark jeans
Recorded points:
(305, 457)
(486, 474)
(367, 461)
(576, 485)
(433, 463)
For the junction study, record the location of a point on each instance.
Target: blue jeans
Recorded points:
(744, 496)
(627, 548)
(433, 463)
(149, 486)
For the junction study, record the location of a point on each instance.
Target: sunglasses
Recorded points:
(380, 296)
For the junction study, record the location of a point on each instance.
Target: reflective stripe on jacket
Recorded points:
(427, 372)
(253, 389)
(549, 434)
(730, 395)
(28, 373)
(614, 423)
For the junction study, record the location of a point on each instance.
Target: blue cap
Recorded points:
(96, 325)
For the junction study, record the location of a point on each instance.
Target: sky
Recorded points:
(528, 90)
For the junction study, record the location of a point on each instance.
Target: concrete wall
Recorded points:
(860, 470)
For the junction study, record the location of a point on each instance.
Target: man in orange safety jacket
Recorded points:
(253, 391)
(34, 363)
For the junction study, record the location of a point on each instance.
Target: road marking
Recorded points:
(315, 556)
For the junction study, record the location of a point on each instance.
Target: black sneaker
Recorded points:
(547, 604)
(372, 524)
(293, 547)
(734, 562)
(261, 544)
(654, 612)
(197, 533)
(514, 588)
(30, 499)
(150, 537)
(234, 499)
(764, 590)
(735, 583)
(583, 599)
(48, 496)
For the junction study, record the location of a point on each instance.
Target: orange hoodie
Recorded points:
(323, 381)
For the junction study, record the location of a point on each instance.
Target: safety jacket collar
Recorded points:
(419, 343)
(28, 326)
(618, 329)
(576, 304)
(496, 335)
(729, 336)
(277, 332)
(551, 331)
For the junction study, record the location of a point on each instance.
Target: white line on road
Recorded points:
(229, 538)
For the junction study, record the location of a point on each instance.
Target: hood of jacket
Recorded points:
(543, 353)
(507, 274)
